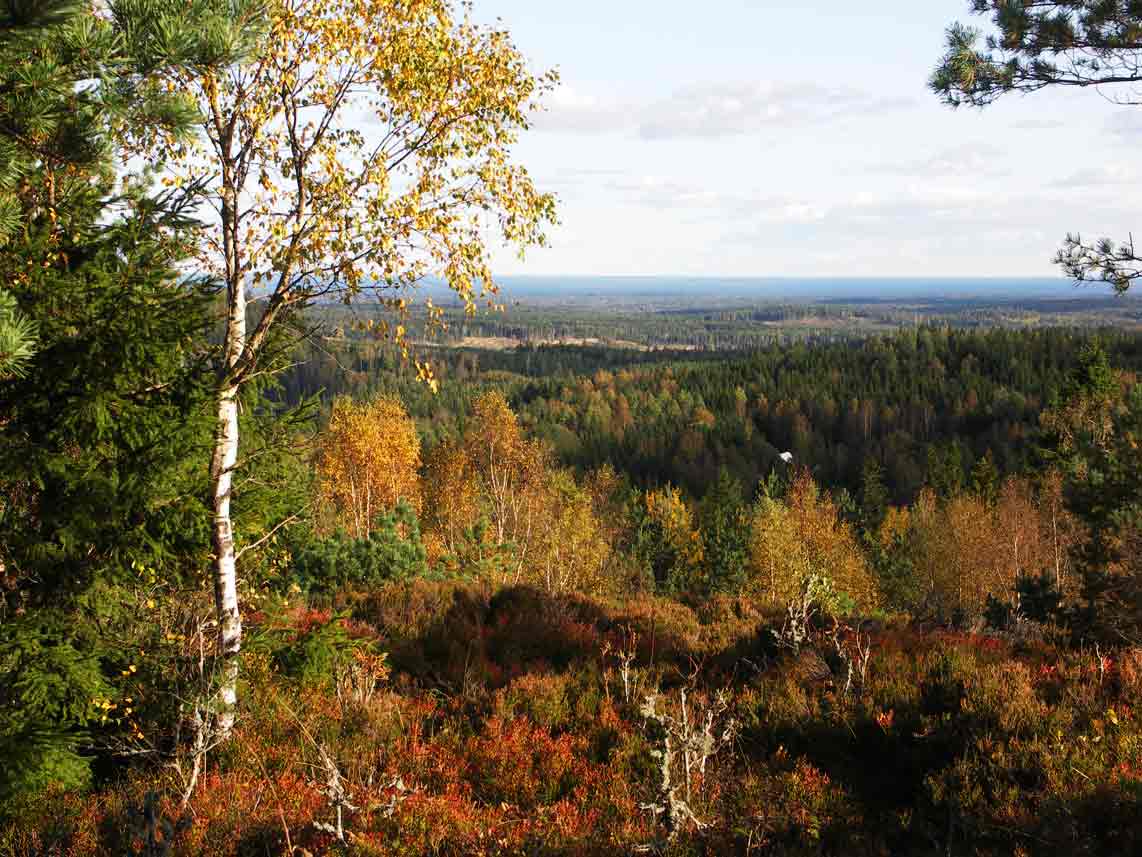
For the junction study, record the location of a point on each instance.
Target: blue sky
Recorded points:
(738, 138)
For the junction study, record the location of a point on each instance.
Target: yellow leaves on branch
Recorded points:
(968, 548)
(451, 496)
(673, 520)
(507, 468)
(493, 472)
(368, 142)
(801, 537)
(369, 461)
(571, 550)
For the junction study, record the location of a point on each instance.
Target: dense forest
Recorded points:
(917, 403)
(290, 566)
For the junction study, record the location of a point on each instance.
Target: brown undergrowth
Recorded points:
(514, 722)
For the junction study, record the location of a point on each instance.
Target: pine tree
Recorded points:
(101, 410)
(70, 90)
(17, 338)
(1034, 45)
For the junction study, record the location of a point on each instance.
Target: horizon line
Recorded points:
(935, 277)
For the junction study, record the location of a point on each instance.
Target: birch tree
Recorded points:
(570, 553)
(451, 497)
(803, 539)
(368, 462)
(506, 465)
(365, 146)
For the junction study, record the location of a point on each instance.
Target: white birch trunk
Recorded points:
(225, 559)
(222, 466)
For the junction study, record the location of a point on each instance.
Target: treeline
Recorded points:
(705, 329)
(924, 405)
(494, 502)
(707, 324)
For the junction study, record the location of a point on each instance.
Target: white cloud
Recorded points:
(920, 206)
(578, 112)
(1039, 124)
(706, 204)
(1126, 124)
(730, 109)
(711, 110)
(796, 212)
(1102, 175)
(966, 159)
(938, 218)
(658, 192)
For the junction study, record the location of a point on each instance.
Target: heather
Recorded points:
(515, 722)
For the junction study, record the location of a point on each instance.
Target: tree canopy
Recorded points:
(102, 346)
(1039, 44)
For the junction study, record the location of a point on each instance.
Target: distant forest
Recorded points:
(709, 322)
(926, 404)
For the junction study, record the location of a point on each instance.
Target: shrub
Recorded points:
(543, 699)
(392, 551)
(497, 736)
(478, 555)
(521, 764)
(413, 608)
(1002, 697)
(1038, 599)
(49, 693)
(530, 628)
(943, 688)
(314, 647)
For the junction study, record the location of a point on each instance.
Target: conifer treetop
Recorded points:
(1036, 44)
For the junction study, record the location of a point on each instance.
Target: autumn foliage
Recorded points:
(493, 490)
(530, 621)
(802, 537)
(554, 677)
(512, 725)
(369, 461)
(968, 548)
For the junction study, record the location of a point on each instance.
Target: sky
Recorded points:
(798, 138)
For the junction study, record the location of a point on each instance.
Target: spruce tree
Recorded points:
(725, 534)
(985, 478)
(96, 480)
(873, 497)
(946, 469)
(1092, 433)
